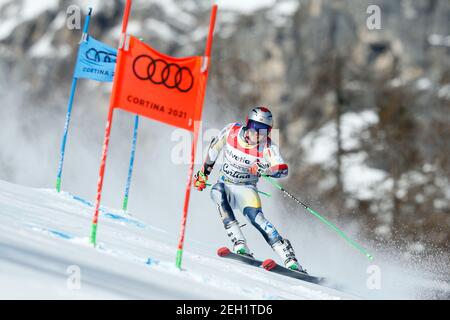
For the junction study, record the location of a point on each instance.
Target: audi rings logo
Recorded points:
(100, 56)
(158, 71)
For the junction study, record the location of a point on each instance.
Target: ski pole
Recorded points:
(268, 195)
(325, 221)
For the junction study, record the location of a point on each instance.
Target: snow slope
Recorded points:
(43, 238)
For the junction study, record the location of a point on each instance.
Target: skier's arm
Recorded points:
(216, 145)
(277, 166)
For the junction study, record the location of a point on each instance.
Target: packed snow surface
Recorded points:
(45, 254)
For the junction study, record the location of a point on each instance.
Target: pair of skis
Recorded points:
(269, 265)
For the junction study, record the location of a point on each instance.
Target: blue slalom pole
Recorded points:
(69, 109)
(130, 169)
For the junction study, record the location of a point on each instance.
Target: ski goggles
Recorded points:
(259, 127)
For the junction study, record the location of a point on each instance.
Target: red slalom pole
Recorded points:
(212, 24)
(93, 238)
(194, 146)
(126, 15)
(187, 197)
(101, 176)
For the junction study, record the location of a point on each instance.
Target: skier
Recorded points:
(248, 154)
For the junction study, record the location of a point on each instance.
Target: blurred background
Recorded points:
(363, 115)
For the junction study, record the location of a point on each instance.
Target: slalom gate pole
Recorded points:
(130, 169)
(69, 110)
(325, 221)
(186, 200)
(93, 238)
(194, 145)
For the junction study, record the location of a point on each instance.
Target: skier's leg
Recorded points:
(222, 197)
(280, 245)
(256, 217)
(250, 204)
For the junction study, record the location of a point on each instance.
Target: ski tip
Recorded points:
(269, 264)
(223, 252)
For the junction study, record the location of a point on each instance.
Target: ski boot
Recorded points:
(284, 249)
(236, 236)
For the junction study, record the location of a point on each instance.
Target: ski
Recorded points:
(272, 266)
(269, 265)
(224, 252)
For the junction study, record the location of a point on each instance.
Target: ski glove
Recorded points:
(200, 180)
(258, 169)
